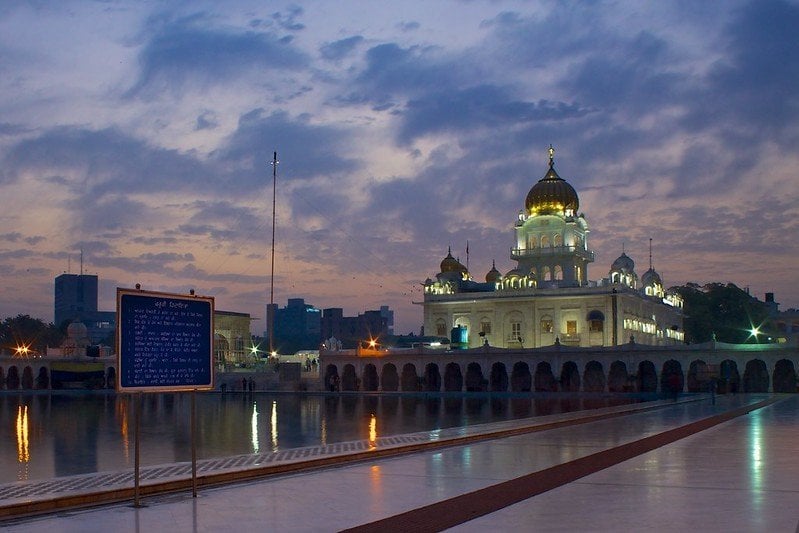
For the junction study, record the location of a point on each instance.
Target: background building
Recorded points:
(547, 298)
(296, 326)
(75, 299)
(355, 330)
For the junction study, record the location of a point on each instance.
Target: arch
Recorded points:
(409, 381)
(672, 379)
(498, 380)
(441, 328)
(698, 379)
(349, 380)
(756, 376)
(618, 380)
(594, 377)
(370, 381)
(544, 378)
(557, 240)
(453, 378)
(111, 378)
(544, 241)
(532, 241)
(12, 378)
(647, 377)
(332, 380)
(729, 377)
(432, 378)
(557, 273)
(784, 379)
(43, 378)
(546, 274)
(27, 378)
(520, 378)
(389, 377)
(570, 377)
(474, 378)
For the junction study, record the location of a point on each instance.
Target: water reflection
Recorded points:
(69, 433)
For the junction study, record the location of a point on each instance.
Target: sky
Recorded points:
(141, 132)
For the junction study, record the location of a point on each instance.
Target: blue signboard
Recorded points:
(164, 341)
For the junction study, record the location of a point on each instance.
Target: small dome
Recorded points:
(450, 264)
(650, 278)
(623, 264)
(515, 273)
(77, 330)
(552, 194)
(493, 275)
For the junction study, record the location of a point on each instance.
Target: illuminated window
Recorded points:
(547, 325)
(516, 331)
(558, 273)
(532, 241)
(544, 241)
(441, 328)
(556, 241)
(596, 321)
(546, 274)
(485, 327)
(571, 327)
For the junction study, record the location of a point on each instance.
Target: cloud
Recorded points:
(311, 150)
(340, 49)
(187, 50)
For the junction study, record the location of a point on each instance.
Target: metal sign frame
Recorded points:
(165, 341)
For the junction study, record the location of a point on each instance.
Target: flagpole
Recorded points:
(270, 318)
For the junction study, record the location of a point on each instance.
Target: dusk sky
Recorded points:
(142, 133)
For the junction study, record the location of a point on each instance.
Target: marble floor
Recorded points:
(738, 475)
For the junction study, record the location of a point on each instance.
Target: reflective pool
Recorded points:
(48, 435)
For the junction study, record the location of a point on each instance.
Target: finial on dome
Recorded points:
(551, 156)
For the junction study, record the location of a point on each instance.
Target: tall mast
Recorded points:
(271, 314)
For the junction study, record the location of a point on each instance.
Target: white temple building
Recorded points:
(548, 298)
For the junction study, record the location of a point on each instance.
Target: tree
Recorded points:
(721, 309)
(23, 330)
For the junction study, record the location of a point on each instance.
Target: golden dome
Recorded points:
(552, 194)
(450, 264)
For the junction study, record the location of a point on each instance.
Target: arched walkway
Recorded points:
(331, 378)
(432, 378)
(474, 378)
(756, 376)
(389, 378)
(672, 378)
(594, 380)
(618, 378)
(544, 379)
(520, 378)
(349, 380)
(784, 376)
(370, 381)
(409, 380)
(570, 377)
(453, 379)
(499, 378)
(647, 377)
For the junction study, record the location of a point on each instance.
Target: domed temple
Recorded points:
(547, 298)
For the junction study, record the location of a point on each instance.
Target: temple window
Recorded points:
(441, 328)
(571, 328)
(485, 327)
(544, 241)
(547, 324)
(558, 275)
(557, 241)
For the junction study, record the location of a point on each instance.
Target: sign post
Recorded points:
(164, 344)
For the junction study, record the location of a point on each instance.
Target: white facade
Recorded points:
(547, 298)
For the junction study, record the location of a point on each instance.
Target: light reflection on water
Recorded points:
(60, 434)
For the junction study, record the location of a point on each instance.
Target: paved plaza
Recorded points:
(723, 465)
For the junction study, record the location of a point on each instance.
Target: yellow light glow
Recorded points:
(254, 428)
(373, 432)
(273, 422)
(22, 350)
(23, 445)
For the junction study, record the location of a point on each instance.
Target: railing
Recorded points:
(550, 251)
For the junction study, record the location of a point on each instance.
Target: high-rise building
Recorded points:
(355, 330)
(296, 326)
(75, 299)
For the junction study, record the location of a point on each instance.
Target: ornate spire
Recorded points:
(650, 253)
(551, 156)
